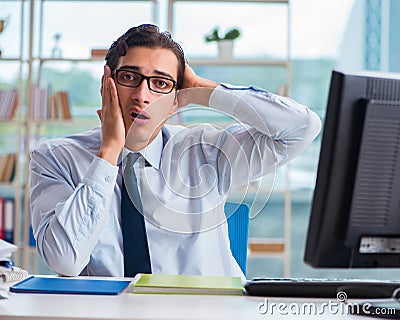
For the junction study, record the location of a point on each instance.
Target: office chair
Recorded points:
(237, 215)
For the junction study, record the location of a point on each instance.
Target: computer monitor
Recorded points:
(355, 214)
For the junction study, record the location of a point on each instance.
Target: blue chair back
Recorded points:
(238, 227)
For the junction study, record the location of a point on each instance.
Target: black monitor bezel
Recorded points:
(326, 245)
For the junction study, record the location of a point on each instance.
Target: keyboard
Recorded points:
(322, 288)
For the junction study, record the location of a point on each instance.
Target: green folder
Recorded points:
(183, 284)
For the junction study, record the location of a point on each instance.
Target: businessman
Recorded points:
(86, 187)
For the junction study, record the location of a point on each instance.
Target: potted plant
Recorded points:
(225, 41)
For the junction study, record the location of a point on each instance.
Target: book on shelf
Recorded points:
(59, 106)
(8, 103)
(39, 102)
(6, 220)
(46, 106)
(7, 167)
(185, 284)
(65, 105)
(3, 165)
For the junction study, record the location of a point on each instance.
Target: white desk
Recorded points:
(27, 306)
(145, 306)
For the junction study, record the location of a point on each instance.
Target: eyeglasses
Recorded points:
(132, 79)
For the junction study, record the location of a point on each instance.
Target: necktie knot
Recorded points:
(130, 179)
(130, 159)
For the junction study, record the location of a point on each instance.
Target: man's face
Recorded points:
(146, 121)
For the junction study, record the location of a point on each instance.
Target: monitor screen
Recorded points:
(355, 214)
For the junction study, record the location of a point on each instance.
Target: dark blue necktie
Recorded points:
(136, 250)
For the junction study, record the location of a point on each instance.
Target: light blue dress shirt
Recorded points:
(75, 196)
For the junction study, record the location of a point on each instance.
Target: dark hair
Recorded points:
(146, 35)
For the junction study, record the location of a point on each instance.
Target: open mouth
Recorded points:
(135, 115)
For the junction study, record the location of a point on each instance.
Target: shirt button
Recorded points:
(107, 179)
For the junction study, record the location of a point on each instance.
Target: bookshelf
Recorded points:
(12, 108)
(37, 115)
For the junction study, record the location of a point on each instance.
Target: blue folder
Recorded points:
(70, 286)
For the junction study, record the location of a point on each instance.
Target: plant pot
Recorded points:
(225, 49)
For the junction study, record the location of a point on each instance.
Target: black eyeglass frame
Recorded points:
(143, 77)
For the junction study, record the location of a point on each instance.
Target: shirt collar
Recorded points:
(152, 152)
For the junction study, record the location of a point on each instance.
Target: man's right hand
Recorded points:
(112, 123)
